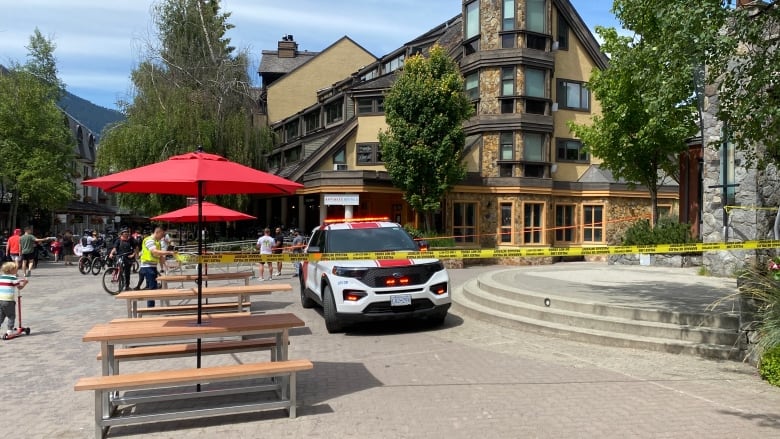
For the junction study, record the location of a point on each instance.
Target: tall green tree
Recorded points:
(422, 148)
(192, 88)
(36, 147)
(647, 99)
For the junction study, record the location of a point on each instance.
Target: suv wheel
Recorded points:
(437, 318)
(332, 323)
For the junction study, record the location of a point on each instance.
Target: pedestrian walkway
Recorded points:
(466, 379)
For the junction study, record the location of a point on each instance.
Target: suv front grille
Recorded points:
(417, 274)
(384, 307)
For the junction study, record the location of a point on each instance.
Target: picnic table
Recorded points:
(236, 275)
(242, 293)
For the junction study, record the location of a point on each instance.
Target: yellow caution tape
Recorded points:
(525, 252)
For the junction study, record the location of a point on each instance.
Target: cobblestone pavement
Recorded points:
(466, 379)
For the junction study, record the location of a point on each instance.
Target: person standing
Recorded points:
(13, 248)
(56, 247)
(151, 255)
(128, 248)
(9, 283)
(67, 247)
(3, 244)
(278, 248)
(266, 245)
(297, 248)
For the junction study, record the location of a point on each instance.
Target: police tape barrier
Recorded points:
(230, 258)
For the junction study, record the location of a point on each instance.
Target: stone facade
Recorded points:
(748, 212)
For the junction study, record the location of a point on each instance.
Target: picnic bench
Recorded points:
(176, 329)
(103, 386)
(241, 293)
(236, 275)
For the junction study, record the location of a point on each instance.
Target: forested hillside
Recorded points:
(90, 115)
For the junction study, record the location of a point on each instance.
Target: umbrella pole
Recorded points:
(200, 270)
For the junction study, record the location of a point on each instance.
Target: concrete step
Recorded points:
(597, 317)
(492, 283)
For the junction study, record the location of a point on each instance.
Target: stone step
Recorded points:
(464, 305)
(597, 317)
(568, 301)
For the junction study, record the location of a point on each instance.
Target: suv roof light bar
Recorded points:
(356, 220)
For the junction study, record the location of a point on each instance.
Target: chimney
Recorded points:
(287, 47)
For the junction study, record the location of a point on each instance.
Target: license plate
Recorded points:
(401, 300)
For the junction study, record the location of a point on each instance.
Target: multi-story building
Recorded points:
(530, 182)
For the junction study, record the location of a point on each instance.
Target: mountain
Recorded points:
(88, 114)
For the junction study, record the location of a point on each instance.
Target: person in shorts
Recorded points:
(266, 244)
(14, 249)
(9, 283)
(278, 248)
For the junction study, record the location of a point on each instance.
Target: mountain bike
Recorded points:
(101, 261)
(85, 262)
(114, 280)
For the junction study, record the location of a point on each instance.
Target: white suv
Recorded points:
(355, 290)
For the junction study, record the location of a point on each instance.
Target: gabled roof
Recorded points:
(271, 63)
(583, 33)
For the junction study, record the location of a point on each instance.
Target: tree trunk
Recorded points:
(776, 228)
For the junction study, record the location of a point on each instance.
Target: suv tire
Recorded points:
(332, 323)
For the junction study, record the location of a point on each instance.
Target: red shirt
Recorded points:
(13, 245)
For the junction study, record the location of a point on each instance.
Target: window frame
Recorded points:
(505, 17)
(533, 233)
(560, 145)
(339, 156)
(528, 15)
(338, 105)
(376, 154)
(566, 227)
(590, 226)
(562, 32)
(563, 95)
(377, 104)
(470, 92)
(465, 233)
(308, 118)
(506, 230)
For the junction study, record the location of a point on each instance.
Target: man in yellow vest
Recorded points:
(151, 253)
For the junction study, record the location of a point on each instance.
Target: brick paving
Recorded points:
(466, 379)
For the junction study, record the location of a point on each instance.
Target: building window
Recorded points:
(563, 33)
(369, 75)
(535, 101)
(394, 64)
(464, 222)
(340, 156)
(564, 223)
(375, 105)
(593, 223)
(472, 85)
(369, 154)
(727, 174)
(507, 146)
(665, 211)
(334, 112)
(505, 212)
(532, 223)
(508, 22)
(292, 155)
(535, 20)
(533, 147)
(573, 95)
(507, 89)
(571, 150)
(291, 130)
(312, 121)
(471, 28)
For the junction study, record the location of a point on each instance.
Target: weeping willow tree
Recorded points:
(191, 88)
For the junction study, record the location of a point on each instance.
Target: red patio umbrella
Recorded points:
(210, 212)
(197, 174)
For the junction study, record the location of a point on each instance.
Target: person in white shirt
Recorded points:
(266, 245)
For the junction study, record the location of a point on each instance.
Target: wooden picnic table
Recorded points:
(236, 275)
(242, 293)
(178, 330)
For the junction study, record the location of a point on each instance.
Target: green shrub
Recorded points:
(431, 237)
(769, 366)
(667, 231)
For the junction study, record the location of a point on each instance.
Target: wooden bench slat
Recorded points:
(191, 376)
(182, 317)
(182, 308)
(141, 352)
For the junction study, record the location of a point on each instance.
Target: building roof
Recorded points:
(271, 63)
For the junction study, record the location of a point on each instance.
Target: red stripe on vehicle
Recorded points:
(394, 262)
(364, 225)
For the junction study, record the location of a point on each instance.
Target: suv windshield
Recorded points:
(369, 240)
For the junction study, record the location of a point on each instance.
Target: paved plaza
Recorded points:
(467, 379)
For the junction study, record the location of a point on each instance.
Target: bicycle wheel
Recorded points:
(113, 282)
(97, 266)
(85, 265)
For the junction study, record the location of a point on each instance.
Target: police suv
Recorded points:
(359, 290)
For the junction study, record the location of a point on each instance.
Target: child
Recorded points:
(8, 285)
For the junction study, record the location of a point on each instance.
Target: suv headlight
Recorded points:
(355, 272)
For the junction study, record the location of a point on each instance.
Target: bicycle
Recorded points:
(114, 279)
(85, 263)
(101, 261)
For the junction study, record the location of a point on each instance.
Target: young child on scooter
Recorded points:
(9, 283)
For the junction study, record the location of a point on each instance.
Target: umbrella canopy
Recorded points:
(210, 212)
(180, 175)
(195, 174)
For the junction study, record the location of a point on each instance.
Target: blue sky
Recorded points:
(99, 42)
